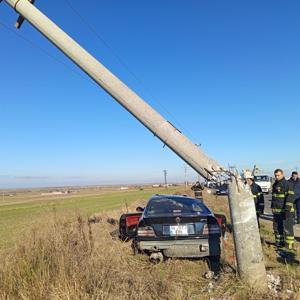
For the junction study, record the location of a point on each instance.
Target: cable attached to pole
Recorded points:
(36, 46)
(125, 65)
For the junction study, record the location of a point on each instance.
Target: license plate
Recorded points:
(178, 230)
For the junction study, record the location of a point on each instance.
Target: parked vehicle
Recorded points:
(222, 189)
(174, 226)
(210, 184)
(265, 182)
(219, 188)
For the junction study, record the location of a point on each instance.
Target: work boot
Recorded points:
(280, 245)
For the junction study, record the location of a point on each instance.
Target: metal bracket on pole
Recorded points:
(21, 19)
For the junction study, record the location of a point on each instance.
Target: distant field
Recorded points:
(22, 210)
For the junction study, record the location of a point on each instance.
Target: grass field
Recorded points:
(25, 209)
(57, 254)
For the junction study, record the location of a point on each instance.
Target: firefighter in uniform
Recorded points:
(295, 181)
(283, 211)
(197, 188)
(257, 196)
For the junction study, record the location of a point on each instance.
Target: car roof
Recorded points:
(159, 196)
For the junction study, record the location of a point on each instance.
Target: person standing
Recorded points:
(283, 211)
(257, 196)
(295, 182)
(197, 188)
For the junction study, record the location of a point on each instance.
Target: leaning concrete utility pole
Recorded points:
(250, 265)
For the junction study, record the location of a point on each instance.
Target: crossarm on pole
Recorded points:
(21, 19)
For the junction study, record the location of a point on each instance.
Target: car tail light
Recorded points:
(205, 229)
(132, 220)
(145, 231)
(221, 219)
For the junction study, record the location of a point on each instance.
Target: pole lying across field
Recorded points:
(247, 240)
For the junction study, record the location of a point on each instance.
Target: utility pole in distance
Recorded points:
(165, 177)
(185, 177)
(250, 264)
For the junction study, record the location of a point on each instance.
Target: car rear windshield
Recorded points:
(261, 178)
(175, 206)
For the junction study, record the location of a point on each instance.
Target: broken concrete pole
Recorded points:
(249, 255)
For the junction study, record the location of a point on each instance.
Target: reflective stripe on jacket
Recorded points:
(258, 196)
(282, 194)
(296, 187)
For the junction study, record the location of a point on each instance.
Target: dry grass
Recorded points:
(63, 260)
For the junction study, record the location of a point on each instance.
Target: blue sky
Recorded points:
(225, 72)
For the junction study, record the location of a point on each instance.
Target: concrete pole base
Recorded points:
(248, 249)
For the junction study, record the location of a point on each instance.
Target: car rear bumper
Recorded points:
(182, 248)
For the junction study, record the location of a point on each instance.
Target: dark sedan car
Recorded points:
(173, 226)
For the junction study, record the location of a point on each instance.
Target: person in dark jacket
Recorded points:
(295, 182)
(197, 188)
(258, 197)
(283, 211)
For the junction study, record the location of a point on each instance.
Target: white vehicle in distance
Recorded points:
(265, 182)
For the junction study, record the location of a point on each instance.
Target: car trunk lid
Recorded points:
(172, 226)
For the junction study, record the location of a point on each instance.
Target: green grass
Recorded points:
(17, 218)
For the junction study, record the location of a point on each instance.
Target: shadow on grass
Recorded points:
(286, 257)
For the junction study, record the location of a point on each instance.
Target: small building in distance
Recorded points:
(123, 188)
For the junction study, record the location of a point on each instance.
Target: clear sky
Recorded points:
(225, 72)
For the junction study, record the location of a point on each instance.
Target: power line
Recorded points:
(93, 30)
(36, 46)
(125, 66)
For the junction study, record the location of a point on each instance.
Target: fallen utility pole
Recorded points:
(250, 263)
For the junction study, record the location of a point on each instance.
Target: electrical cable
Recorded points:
(125, 66)
(36, 46)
